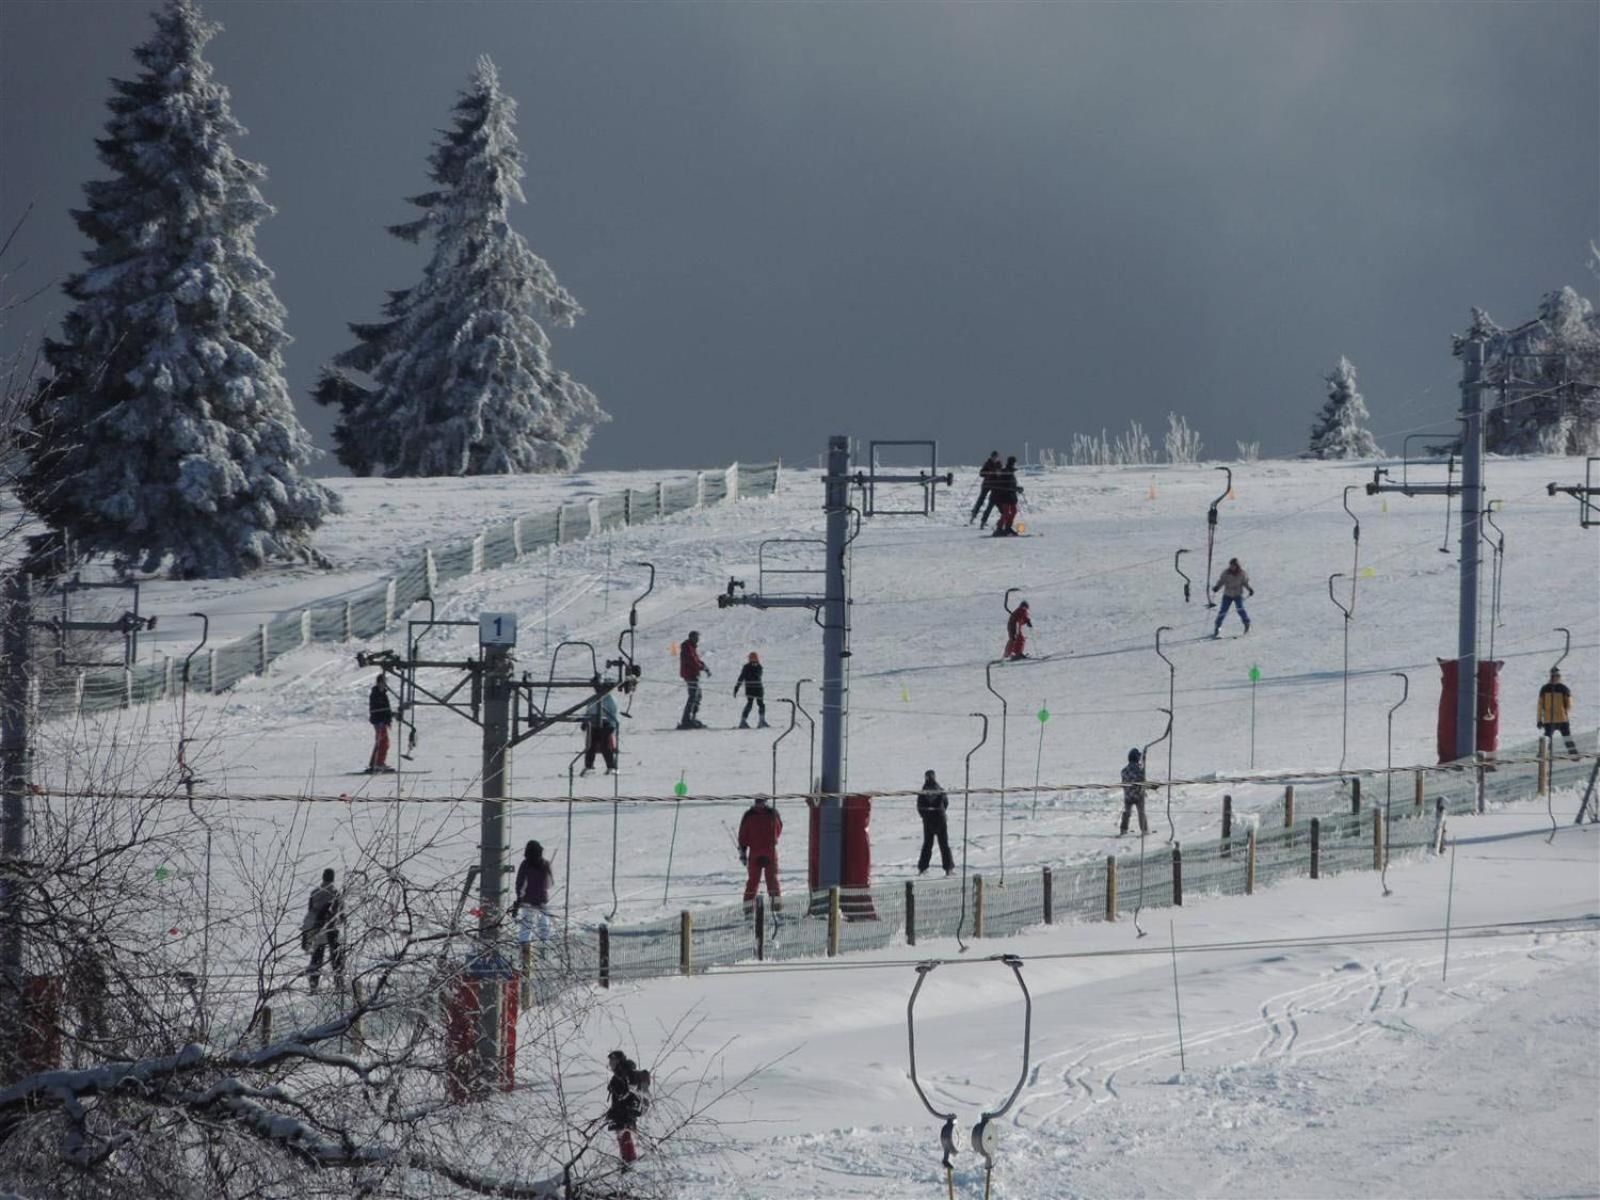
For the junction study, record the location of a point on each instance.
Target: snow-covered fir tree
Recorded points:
(1341, 431)
(167, 435)
(1545, 379)
(458, 378)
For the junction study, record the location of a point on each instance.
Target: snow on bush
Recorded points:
(1545, 378)
(460, 376)
(167, 435)
(1182, 444)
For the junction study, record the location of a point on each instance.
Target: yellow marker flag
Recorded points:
(672, 649)
(1369, 573)
(905, 695)
(1232, 495)
(1386, 506)
(1152, 493)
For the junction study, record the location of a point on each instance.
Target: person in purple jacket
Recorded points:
(534, 881)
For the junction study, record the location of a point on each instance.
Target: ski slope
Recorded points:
(1338, 1070)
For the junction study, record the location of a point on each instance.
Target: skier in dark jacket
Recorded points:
(931, 805)
(986, 474)
(690, 667)
(1133, 791)
(759, 831)
(1016, 640)
(600, 731)
(381, 714)
(1006, 493)
(1555, 711)
(627, 1096)
(535, 878)
(320, 932)
(755, 693)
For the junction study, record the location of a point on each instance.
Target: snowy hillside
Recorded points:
(1333, 1070)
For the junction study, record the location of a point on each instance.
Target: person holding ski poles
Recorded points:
(759, 831)
(690, 667)
(600, 731)
(535, 879)
(320, 932)
(931, 806)
(1133, 791)
(381, 714)
(1005, 493)
(755, 693)
(986, 474)
(1233, 583)
(1555, 712)
(627, 1096)
(1016, 640)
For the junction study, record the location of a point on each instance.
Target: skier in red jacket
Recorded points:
(759, 832)
(691, 666)
(1015, 638)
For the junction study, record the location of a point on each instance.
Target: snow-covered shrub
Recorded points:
(1182, 444)
(1248, 451)
(167, 435)
(1340, 430)
(460, 380)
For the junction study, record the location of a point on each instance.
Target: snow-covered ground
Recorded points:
(1339, 1070)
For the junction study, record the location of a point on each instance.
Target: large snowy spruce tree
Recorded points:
(1340, 431)
(1545, 376)
(167, 436)
(459, 379)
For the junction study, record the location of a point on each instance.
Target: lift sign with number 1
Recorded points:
(497, 629)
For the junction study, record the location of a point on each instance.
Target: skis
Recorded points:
(389, 771)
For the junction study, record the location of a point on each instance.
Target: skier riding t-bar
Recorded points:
(1233, 583)
(1555, 712)
(986, 474)
(1006, 492)
(381, 714)
(1016, 640)
(759, 832)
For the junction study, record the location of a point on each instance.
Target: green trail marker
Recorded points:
(680, 789)
(1044, 714)
(162, 874)
(1255, 674)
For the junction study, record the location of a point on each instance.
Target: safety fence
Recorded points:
(374, 609)
(1318, 829)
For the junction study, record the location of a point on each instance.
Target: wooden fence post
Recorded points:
(1378, 848)
(516, 537)
(1288, 805)
(605, 956)
(430, 571)
(1250, 865)
(526, 964)
(761, 928)
(346, 631)
(1111, 887)
(261, 653)
(1048, 886)
(1355, 797)
(1227, 827)
(833, 921)
(685, 942)
(1316, 847)
(1544, 766)
(1478, 773)
(977, 906)
(266, 1026)
(1419, 785)
(911, 914)
(1177, 876)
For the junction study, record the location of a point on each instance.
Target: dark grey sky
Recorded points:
(981, 223)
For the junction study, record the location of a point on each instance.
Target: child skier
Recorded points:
(1133, 790)
(627, 1096)
(755, 694)
(381, 714)
(1016, 640)
(759, 832)
(1555, 712)
(1006, 492)
(535, 879)
(600, 731)
(986, 474)
(1233, 583)
(690, 667)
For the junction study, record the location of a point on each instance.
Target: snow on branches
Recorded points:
(1546, 374)
(460, 379)
(1340, 430)
(167, 435)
